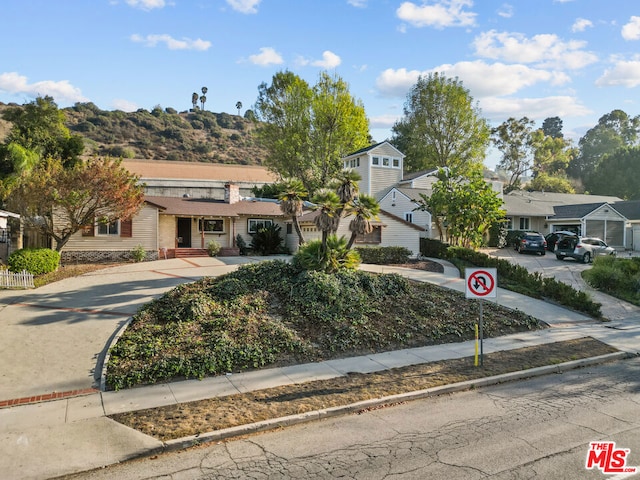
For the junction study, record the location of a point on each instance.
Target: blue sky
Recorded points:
(576, 59)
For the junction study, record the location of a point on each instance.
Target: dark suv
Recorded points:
(531, 242)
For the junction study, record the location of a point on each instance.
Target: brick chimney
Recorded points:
(231, 193)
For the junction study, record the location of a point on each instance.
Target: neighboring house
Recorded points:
(533, 210)
(631, 210)
(7, 246)
(599, 220)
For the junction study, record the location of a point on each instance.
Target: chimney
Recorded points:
(231, 193)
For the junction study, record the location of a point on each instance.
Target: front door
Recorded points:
(184, 233)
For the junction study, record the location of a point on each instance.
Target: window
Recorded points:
(385, 162)
(375, 161)
(525, 223)
(409, 217)
(108, 228)
(255, 224)
(211, 225)
(396, 163)
(374, 237)
(289, 228)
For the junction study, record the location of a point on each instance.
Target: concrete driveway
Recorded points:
(569, 271)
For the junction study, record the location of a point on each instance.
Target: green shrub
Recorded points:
(267, 240)
(213, 248)
(384, 255)
(311, 256)
(433, 248)
(619, 277)
(242, 245)
(34, 260)
(139, 254)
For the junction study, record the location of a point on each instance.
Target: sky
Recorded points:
(575, 59)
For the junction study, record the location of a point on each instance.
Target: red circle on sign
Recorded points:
(480, 287)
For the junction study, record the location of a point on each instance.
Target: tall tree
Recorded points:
(613, 131)
(441, 127)
(292, 195)
(464, 208)
(618, 174)
(38, 127)
(513, 139)
(194, 100)
(60, 201)
(552, 127)
(551, 157)
(239, 107)
(364, 209)
(307, 130)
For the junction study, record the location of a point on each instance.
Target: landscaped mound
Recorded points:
(270, 313)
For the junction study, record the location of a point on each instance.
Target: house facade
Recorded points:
(9, 240)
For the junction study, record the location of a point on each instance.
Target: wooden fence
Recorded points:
(9, 279)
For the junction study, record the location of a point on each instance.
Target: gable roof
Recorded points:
(166, 169)
(630, 209)
(422, 173)
(576, 211)
(373, 147)
(532, 204)
(5, 214)
(198, 207)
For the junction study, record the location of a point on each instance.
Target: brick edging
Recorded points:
(47, 397)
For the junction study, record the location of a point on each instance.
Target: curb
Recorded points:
(272, 424)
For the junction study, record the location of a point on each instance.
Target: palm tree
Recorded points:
(346, 186)
(328, 203)
(364, 208)
(291, 200)
(239, 107)
(203, 98)
(194, 100)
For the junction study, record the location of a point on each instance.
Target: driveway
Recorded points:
(569, 271)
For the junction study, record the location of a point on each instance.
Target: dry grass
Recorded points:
(194, 418)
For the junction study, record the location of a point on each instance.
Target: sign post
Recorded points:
(480, 283)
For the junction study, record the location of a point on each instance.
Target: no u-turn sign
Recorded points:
(480, 282)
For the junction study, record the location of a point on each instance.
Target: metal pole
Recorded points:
(481, 336)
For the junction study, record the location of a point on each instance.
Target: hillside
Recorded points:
(199, 136)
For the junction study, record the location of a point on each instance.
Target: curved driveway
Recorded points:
(53, 338)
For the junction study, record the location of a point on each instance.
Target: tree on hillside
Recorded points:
(307, 130)
(441, 127)
(552, 127)
(239, 107)
(618, 174)
(513, 139)
(60, 201)
(464, 208)
(194, 100)
(37, 131)
(614, 130)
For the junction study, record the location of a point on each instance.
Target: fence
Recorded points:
(9, 279)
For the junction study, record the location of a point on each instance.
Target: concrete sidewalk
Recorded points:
(44, 440)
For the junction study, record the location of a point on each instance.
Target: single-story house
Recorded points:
(599, 220)
(631, 211)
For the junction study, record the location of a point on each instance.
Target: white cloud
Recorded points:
(357, 3)
(482, 79)
(329, 60)
(544, 50)
(499, 109)
(124, 105)
(506, 10)
(267, 56)
(146, 4)
(244, 6)
(631, 31)
(384, 121)
(62, 91)
(624, 73)
(442, 13)
(581, 24)
(172, 43)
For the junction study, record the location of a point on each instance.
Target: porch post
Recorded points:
(202, 233)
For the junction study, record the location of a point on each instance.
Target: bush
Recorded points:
(433, 248)
(242, 245)
(34, 260)
(336, 257)
(267, 240)
(213, 248)
(139, 254)
(384, 255)
(619, 277)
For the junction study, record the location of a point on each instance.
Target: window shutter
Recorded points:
(126, 228)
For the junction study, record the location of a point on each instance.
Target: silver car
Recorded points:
(582, 248)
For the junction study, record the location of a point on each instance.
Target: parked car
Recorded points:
(532, 242)
(554, 237)
(582, 248)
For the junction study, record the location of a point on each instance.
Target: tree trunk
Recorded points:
(296, 226)
(352, 240)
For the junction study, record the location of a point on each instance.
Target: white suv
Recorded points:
(582, 248)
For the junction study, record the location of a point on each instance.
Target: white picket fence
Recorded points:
(9, 279)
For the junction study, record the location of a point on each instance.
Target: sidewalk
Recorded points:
(49, 439)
